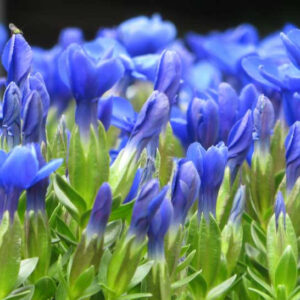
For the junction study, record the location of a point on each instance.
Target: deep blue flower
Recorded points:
(247, 99)
(150, 121)
(145, 67)
(36, 193)
(11, 123)
(69, 36)
(16, 58)
(291, 107)
(239, 142)
(203, 121)
(3, 37)
(168, 74)
(279, 208)
(185, 190)
(203, 75)
(105, 106)
(100, 212)
(228, 107)
(135, 186)
(291, 41)
(45, 62)
(238, 206)
(143, 35)
(147, 203)
(210, 165)
(32, 129)
(292, 155)
(20, 170)
(36, 83)
(264, 121)
(158, 228)
(88, 80)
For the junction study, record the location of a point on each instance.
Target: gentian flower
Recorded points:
(264, 121)
(228, 108)
(36, 193)
(203, 121)
(291, 41)
(145, 207)
(168, 74)
(185, 190)
(69, 36)
(210, 165)
(100, 212)
(158, 228)
(20, 170)
(11, 123)
(292, 155)
(279, 208)
(145, 67)
(150, 121)
(32, 129)
(3, 37)
(239, 143)
(143, 35)
(238, 206)
(247, 99)
(105, 106)
(88, 80)
(135, 186)
(16, 58)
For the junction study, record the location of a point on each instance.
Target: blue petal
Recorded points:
(46, 170)
(19, 169)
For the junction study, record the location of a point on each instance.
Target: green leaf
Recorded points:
(112, 232)
(260, 282)
(122, 212)
(24, 293)
(184, 264)
(26, 268)
(140, 273)
(135, 296)
(69, 197)
(84, 280)
(10, 257)
(64, 231)
(221, 288)
(286, 271)
(45, 289)
(184, 281)
(262, 294)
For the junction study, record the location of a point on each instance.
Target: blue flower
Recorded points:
(228, 107)
(210, 165)
(150, 121)
(239, 142)
(3, 37)
(168, 74)
(145, 67)
(264, 121)
(247, 99)
(16, 58)
(292, 155)
(143, 35)
(11, 123)
(69, 36)
(279, 208)
(20, 170)
(135, 186)
(291, 107)
(100, 212)
(147, 203)
(238, 206)
(32, 129)
(105, 106)
(291, 41)
(185, 190)
(45, 62)
(158, 228)
(203, 121)
(88, 80)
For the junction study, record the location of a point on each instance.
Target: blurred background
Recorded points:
(41, 20)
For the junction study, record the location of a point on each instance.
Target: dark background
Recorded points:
(41, 20)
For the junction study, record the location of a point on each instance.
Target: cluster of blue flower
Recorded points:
(187, 127)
